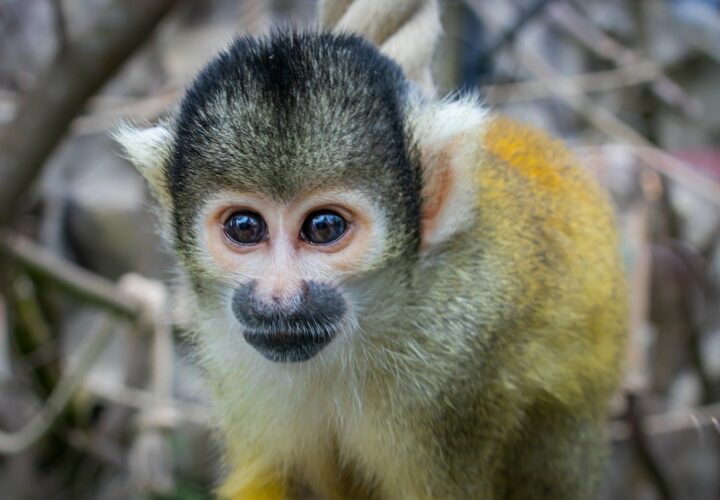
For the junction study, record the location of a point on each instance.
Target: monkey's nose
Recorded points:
(294, 332)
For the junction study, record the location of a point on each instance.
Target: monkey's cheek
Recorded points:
(281, 347)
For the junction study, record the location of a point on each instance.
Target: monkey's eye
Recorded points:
(323, 227)
(245, 228)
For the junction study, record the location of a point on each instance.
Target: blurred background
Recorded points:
(99, 394)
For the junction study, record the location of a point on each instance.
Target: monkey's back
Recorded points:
(522, 360)
(554, 230)
(551, 291)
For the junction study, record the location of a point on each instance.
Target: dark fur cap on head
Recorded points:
(292, 113)
(295, 112)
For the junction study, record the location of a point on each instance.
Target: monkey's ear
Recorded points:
(449, 136)
(149, 150)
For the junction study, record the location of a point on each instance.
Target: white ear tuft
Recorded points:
(149, 150)
(449, 135)
(444, 120)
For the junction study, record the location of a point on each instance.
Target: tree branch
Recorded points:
(509, 34)
(599, 81)
(644, 451)
(571, 20)
(73, 76)
(61, 31)
(604, 120)
(42, 264)
(43, 420)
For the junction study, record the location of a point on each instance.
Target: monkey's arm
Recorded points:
(558, 230)
(246, 482)
(523, 405)
(554, 227)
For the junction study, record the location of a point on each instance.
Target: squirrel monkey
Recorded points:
(393, 297)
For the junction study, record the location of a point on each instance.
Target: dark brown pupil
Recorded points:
(245, 228)
(323, 227)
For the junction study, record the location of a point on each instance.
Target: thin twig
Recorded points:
(77, 281)
(64, 87)
(668, 165)
(510, 33)
(671, 422)
(104, 112)
(599, 81)
(693, 265)
(41, 422)
(680, 172)
(140, 399)
(162, 374)
(636, 378)
(573, 22)
(603, 119)
(599, 116)
(61, 31)
(642, 448)
(139, 110)
(155, 297)
(150, 460)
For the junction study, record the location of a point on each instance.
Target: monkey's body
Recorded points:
(519, 412)
(486, 326)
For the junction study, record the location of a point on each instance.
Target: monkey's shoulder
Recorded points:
(545, 162)
(522, 168)
(548, 220)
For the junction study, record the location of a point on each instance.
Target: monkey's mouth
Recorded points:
(288, 346)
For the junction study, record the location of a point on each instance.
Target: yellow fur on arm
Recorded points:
(578, 226)
(248, 482)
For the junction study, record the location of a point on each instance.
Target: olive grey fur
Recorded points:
(481, 328)
(292, 112)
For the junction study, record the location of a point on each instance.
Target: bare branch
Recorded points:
(44, 265)
(104, 112)
(44, 113)
(509, 34)
(41, 422)
(606, 121)
(599, 81)
(605, 46)
(644, 451)
(61, 31)
(668, 165)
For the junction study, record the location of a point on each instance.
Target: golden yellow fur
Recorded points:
(464, 334)
(545, 230)
(560, 199)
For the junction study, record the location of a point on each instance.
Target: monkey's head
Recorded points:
(298, 169)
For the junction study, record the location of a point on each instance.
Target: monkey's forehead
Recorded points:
(290, 66)
(290, 112)
(287, 76)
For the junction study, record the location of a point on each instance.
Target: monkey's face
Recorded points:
(285, 265)
(300, 182)
(291, 181)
